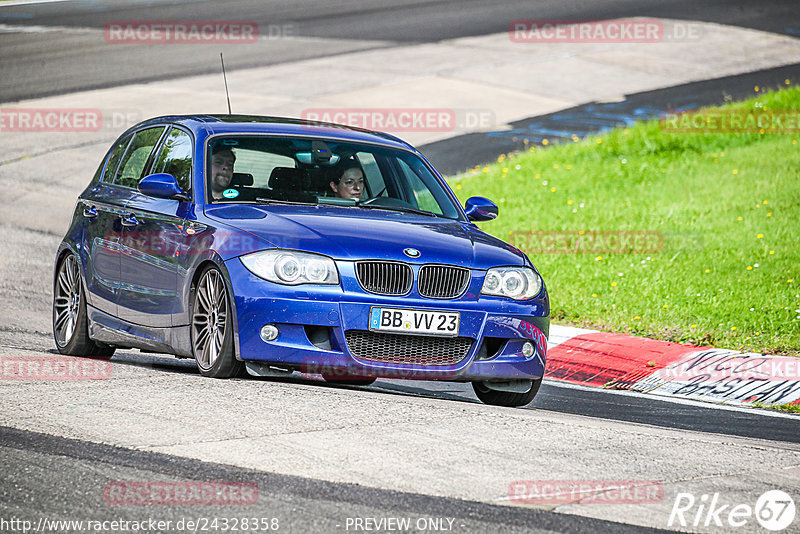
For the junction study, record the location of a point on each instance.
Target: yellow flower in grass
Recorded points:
(665, 306)
(749, 267)
(693, 326)
(771, 252)
(708, 271)
(552, 189)
(594, 294)
(545, 142)
(733, 328)
(735, 171)
(759, 236)
(613, 284)
(739, 218)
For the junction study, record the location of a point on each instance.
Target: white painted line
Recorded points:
(21, 28)
(559, 334)
(27, 2)
(675, 400)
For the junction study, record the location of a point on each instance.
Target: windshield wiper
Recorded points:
(262, 200)
(401, 208)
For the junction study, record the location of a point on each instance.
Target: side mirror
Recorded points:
(480, 209)
(162, 185)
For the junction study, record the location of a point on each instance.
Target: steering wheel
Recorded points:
(373, 199)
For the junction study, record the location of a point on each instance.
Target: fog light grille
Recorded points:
(405, 349)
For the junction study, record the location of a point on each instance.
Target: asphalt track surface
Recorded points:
(51, 475)
(457, 154)
(61, 61)
(34, 463)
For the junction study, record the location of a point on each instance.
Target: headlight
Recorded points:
(291, 268)
(518, 283)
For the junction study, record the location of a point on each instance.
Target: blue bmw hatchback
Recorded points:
(275, 245)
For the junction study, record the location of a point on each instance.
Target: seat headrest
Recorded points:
(287, 178)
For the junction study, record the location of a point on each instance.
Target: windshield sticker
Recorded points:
(230, 193)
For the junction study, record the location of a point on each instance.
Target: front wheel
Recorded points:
(212, 327)
(70, 322)
(505, 398)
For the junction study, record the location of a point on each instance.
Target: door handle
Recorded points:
(129, 221)
(90, 212)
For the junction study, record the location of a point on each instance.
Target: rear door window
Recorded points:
(137, 157)
(114, 158)
(175, 158)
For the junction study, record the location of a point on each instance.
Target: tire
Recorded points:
(505, 398)
(212, 327)
(70, 321)
(351, 380)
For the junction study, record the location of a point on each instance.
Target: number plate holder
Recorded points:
(413, 321)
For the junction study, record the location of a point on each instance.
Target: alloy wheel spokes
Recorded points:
(66, 300)
(208, 319)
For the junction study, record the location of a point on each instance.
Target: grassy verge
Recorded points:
(723, 209)
(788, 408)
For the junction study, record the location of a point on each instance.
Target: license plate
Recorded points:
(437, 323)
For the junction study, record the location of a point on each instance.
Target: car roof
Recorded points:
(257, 124)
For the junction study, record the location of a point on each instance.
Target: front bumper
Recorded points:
(313, 322)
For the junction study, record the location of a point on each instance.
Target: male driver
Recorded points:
(222, 160)
(350, 184)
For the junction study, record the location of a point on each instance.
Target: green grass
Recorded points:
(726, 205)
(789, 408)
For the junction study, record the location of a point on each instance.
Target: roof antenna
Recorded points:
(226, 82)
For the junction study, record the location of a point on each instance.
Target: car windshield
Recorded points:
(268, 169)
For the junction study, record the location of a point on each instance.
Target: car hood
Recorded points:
(356, 233)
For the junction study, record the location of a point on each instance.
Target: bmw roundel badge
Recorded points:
(411, 252)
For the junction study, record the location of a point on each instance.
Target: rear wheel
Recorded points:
(212, 327)
(505, 398)
(70, 322)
